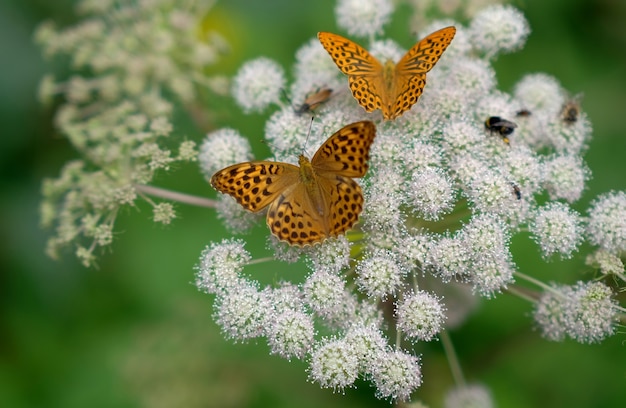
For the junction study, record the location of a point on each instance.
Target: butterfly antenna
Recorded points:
(308, 134)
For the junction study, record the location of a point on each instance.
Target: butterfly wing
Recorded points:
(255, 184)
(295, 217)
(346, 152)
(345, 204)
(292, 217)
(365, 73)
(410, 73)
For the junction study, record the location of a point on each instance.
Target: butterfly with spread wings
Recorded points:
(392, 88)
(310, 202)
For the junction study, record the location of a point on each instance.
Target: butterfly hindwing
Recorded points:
(346, 152)
(346, 200)
(292, 217)
(255, 184)
(409, 88)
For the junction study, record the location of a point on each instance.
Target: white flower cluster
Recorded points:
(131, 60)
(445, 192)
(584, 312)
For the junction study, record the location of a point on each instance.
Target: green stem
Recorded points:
(542, 285)
(453, 361)
(176, 196)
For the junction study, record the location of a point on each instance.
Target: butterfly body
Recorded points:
(392, 88)
(310, 202)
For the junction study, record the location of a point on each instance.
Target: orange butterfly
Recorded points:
(310, 203)
(392, 88)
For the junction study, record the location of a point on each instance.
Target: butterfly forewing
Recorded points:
(423, 56)
(350, 58)
(255, 184)
(363, 70)
(346, 152)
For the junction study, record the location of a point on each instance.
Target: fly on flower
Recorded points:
(571, 110)
(312, 101)
(523, 113)
(516, 191)
(309, 203)
(501, 126)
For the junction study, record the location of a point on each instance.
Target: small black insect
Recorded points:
(523, 113)
(516, 191)
(502, 126)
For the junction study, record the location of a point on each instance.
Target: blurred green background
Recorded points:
(136, 333)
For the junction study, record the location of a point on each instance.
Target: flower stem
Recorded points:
(176, 196)
(453, 361)
(538, 283)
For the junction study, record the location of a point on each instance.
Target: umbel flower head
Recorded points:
(133, 60)
(444, 195)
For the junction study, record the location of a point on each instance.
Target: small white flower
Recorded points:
(367, 341)
(242, 312)
(363, 18)
(473, 76)
(489, 192)
(395, 374)
(290, 334)
(431, 193)
(387, 50)
(220, 265)
(565, 177)
(606, 262)
(497, 29)
(449, 258)
(584, 312)
(257, 84)
(334, 364)
(557, 229)
(418, 155)
(314, 70)
(461, 135)
(569, 138)
(540, 92)
(325, 294)
(487, 238)
(286, 133)
(163, 213)
(420, 316)
(287, 296)
(223, 148)
(332, 255)
(469, 396)
(379, 274)
(381, 215)
(606, 226)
